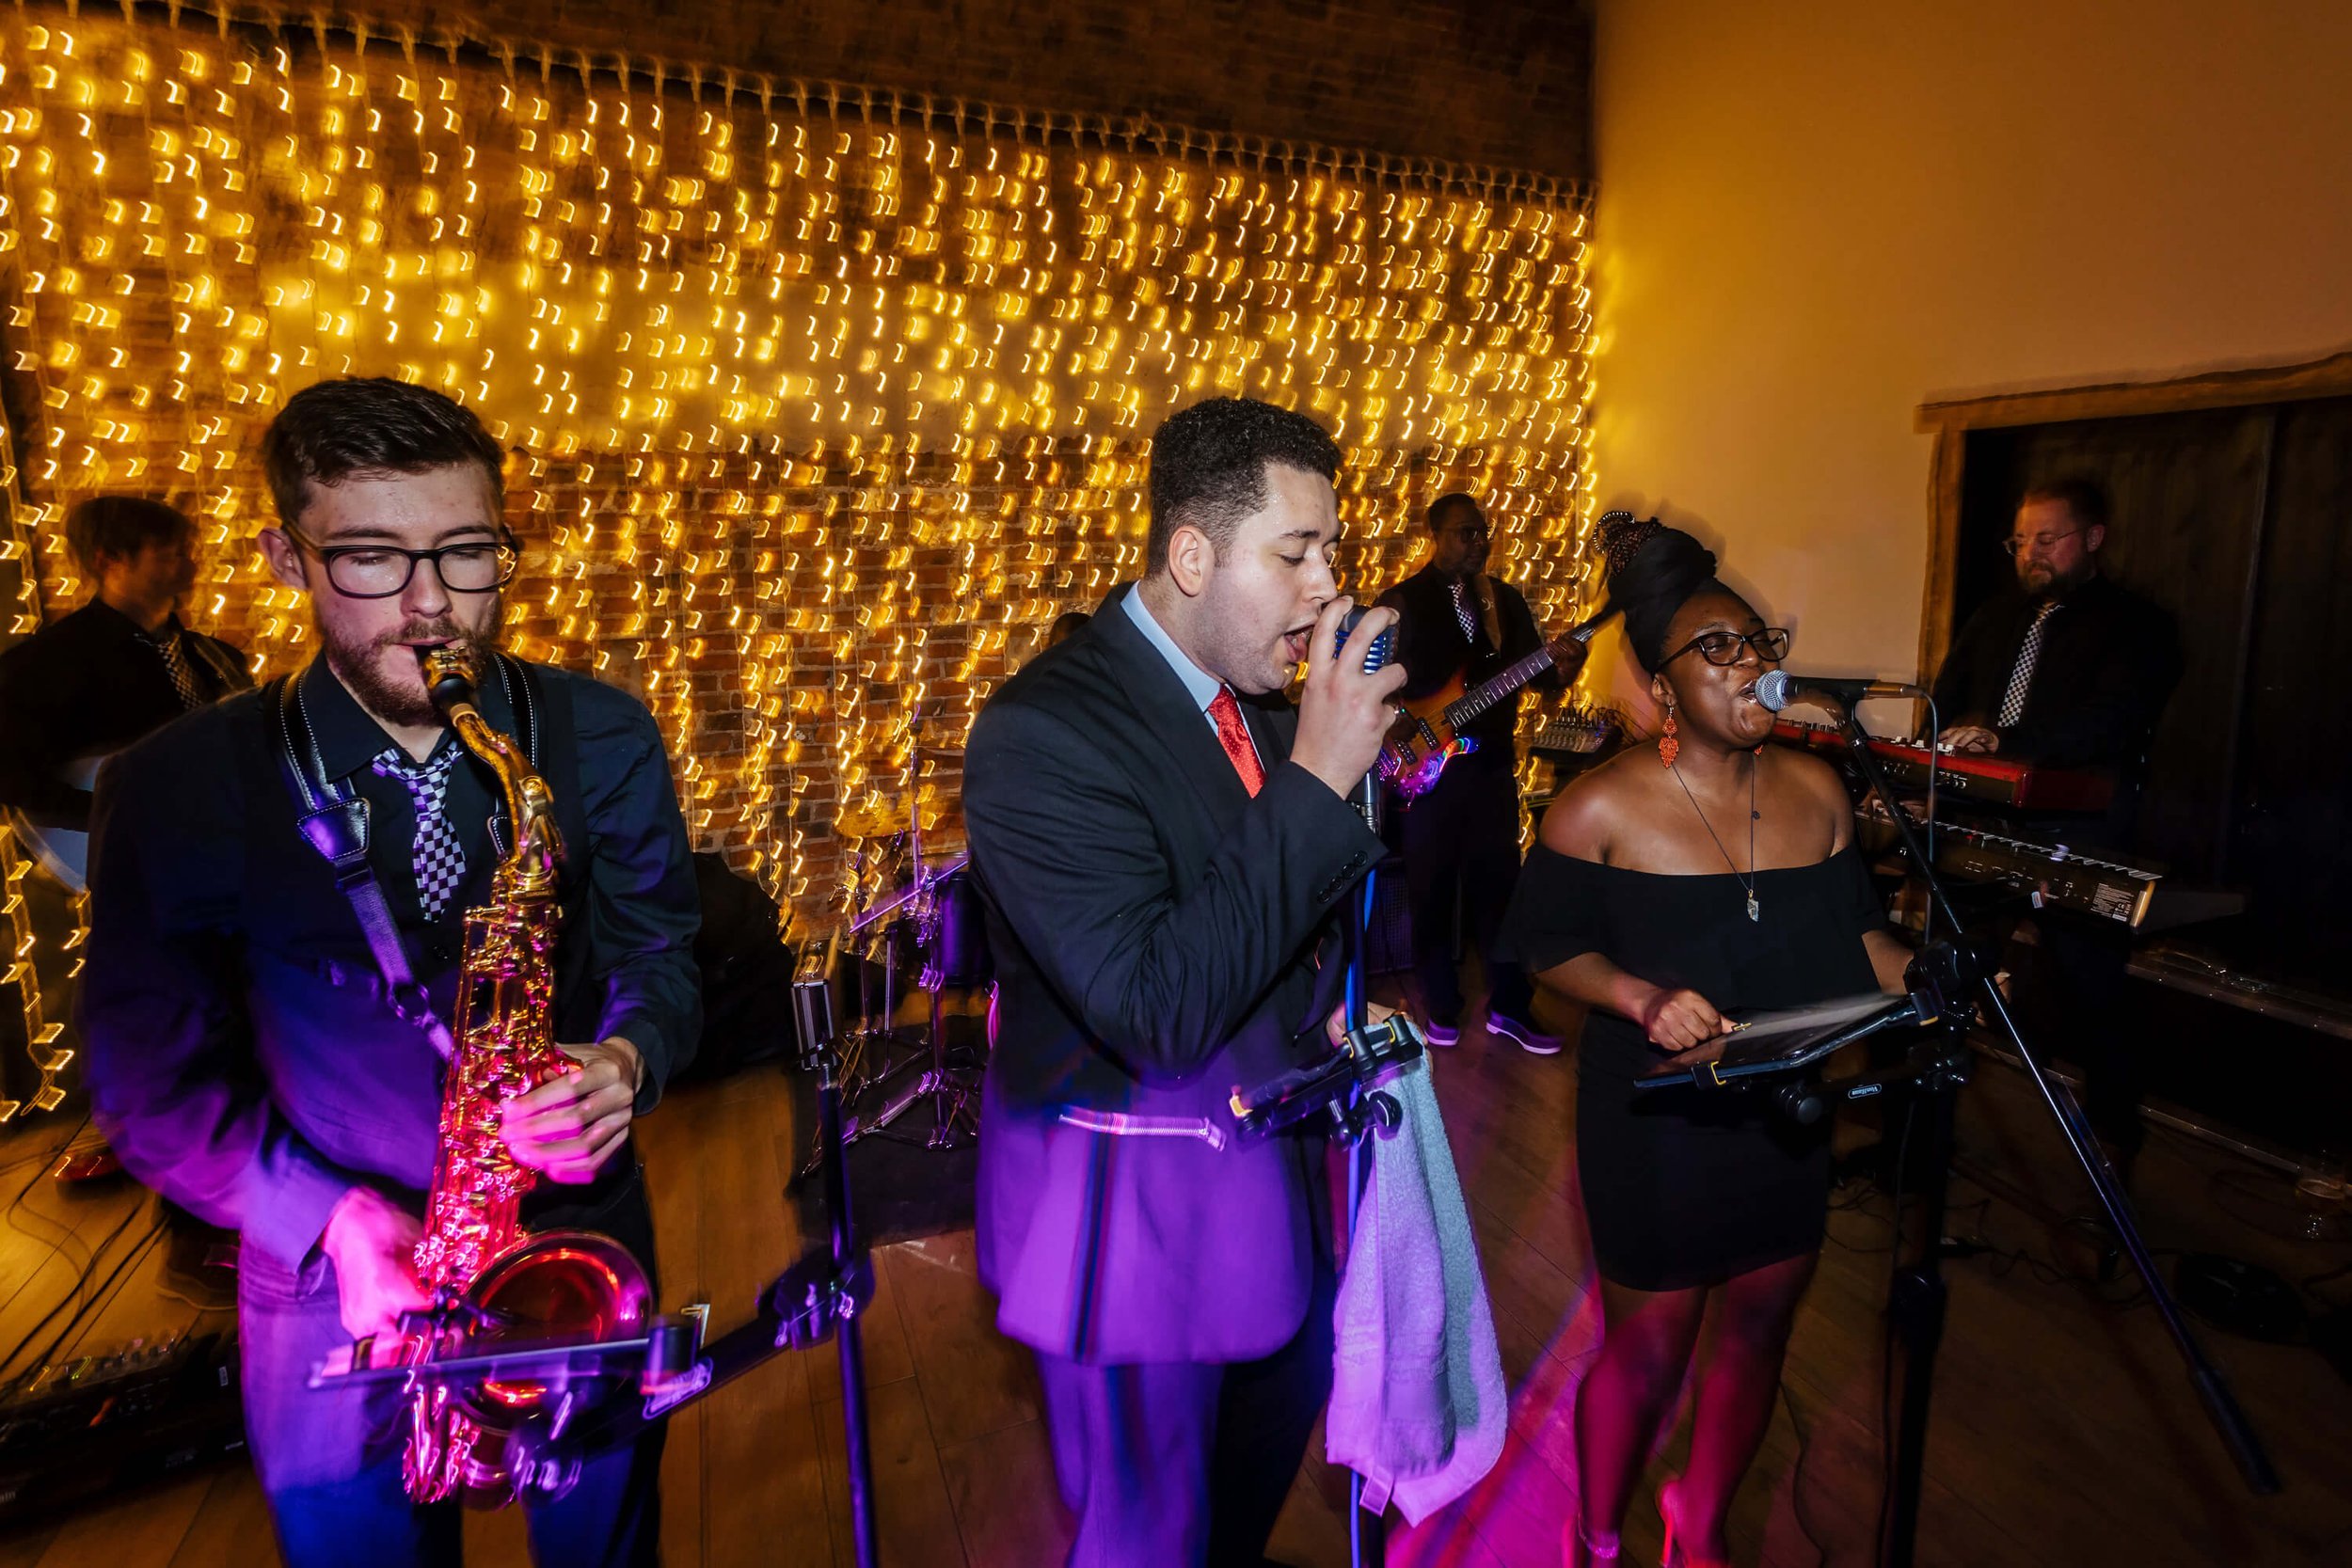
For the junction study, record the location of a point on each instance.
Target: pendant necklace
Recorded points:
(1747, 883)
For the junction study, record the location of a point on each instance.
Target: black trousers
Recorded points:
(1185, 1465)
(1461, 844)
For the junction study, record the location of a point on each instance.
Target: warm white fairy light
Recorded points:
(825, 402)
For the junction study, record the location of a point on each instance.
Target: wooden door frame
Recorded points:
(1949, 422)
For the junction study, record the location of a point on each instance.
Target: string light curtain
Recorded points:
(821, 401)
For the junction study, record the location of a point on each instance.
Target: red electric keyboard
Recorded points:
(1991, 781)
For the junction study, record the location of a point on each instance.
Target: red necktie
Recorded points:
(1234, 737)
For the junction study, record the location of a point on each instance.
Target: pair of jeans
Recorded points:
(329, 1460)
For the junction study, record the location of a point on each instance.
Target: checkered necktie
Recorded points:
(438, 860)
(2028, 653)
(175, 656)
(1462, 611)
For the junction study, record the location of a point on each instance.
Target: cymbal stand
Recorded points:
(954, 1116)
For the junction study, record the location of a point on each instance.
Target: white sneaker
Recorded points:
(1529, 1039)
(1444, 1035)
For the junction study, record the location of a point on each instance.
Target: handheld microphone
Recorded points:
(1376, 657)
(1777, 688)
(1383, 647)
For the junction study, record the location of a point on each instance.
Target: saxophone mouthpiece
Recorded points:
(450, 673)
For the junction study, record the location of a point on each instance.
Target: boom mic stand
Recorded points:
(1918, 1302)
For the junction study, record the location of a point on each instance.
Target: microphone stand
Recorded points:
(812, 1001)
(1918, 1300)
(1367, 1535)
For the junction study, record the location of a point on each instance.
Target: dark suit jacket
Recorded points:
(1156, 932)
(241, 1057)
(2109, 659)
(89, 685)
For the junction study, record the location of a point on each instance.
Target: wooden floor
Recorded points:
(2063, 1433)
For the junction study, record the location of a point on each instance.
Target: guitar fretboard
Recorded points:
(1471, 704)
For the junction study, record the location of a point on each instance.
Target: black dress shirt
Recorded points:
(89, 685)
(241, 1057)
(1432, 648)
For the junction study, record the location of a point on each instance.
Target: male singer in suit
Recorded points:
(2071, 670)
(1161, 841)
(1461, 840)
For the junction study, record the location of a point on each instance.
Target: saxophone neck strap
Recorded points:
(333, 818)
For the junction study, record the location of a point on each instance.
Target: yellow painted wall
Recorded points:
(1815, 216)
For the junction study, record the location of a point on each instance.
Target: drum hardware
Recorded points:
(937, 914)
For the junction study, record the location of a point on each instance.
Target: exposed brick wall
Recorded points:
(1495, 81)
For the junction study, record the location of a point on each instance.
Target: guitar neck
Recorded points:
(1487, 694)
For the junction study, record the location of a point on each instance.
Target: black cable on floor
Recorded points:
(97, 1299)
(66, 1234)
(80, 1290)
(1796, 1479)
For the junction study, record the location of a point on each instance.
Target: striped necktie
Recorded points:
(2021, 676)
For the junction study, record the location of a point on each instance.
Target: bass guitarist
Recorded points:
(1460, 626)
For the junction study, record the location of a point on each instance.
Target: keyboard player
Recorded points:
(2071, 670)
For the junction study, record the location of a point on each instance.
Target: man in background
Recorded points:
(1459, 624)
(88, 685)
(121, 666)
(2071, 670)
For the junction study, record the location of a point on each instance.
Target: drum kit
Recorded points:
(928, 925)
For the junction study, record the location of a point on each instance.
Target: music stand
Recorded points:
(1944, 978)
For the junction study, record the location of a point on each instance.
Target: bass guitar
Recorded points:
(1428, 732)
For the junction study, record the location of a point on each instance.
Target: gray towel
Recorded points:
(1418, 1403)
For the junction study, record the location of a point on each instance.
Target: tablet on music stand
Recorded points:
(1787, 1039)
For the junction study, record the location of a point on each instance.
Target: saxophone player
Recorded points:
(255, 1052)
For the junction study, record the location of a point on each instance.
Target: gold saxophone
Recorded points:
(487, 1280)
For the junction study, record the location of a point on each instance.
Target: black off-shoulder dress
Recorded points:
(1683, 1187)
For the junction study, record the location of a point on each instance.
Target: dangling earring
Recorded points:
(1667, 743)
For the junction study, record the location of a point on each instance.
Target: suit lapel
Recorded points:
(1167, 711)
(1273, 724)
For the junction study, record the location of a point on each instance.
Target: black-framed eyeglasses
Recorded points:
(383, 571)
(1723, 647)
(2015, 545)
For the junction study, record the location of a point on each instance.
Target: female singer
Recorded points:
(1713, 874)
